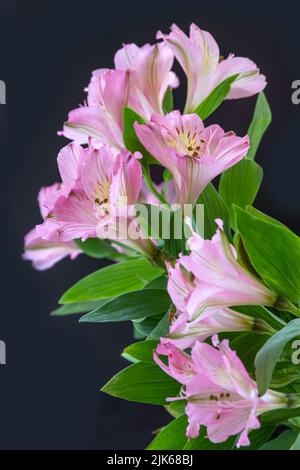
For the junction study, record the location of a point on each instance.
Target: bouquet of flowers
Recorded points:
(210, 284)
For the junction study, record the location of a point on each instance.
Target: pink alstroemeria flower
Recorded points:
(193, 154)
(46, 253)
(140, 80)
(42, 244)
(106, 182)
(212, 277)
(219, 392)
(184, 333)
(99, 201)
(199, 56)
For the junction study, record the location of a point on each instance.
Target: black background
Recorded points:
(49, 389)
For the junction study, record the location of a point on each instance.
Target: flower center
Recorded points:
(102, 193)
(188, 142)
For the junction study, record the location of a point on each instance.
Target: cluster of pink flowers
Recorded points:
(219, 392)
(104, 173)
(101, 178)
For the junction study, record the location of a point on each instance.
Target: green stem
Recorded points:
(149, 183)
(287, 306)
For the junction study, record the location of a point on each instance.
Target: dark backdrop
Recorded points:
(49, 389)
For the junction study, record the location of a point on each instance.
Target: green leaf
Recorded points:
(146, 325)
(168, 102)
(269, 354)
(96, 248)
(261, 120)
(264, 217)
(274, 251)
(258, 437)
(143, 350)
(160, 282)
(130, 306)
(112, 280)
(143, 383)
(162, 328)
(279, 416)
(214, 208)
(287, 440)
(172, 436)
(176, 408)
(246, 346)
(175, 243)
(240, 184)
(130, 138)
(215, 98)
(77, 307)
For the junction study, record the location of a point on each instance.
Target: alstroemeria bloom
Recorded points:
(46, 253)
(193, 154)
(212, 277)
(199, 56)
(105, 186)
(219, 392)
(140, 80)
(42, 244)
(184, 333)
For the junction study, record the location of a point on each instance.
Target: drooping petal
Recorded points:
(44, 254)
(92, 122)
(249, 82)
(184, 333)
(47, 197)
(199, 56)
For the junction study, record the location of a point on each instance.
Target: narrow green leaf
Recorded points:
(143, 383)
(112, 280)
(214, 208)
(269, 354)
(287, 440)
(162, 328)
(246, 346)
(77, 307)
(130, 306)
(274, 251)
(168, 101)
(143, 350)
(96, 248)
(146, 325)
(176, 408)
(261, 120)
(130, 138)
(172, 436)
(240, 184)
(216, 97)
(279, 416)
(158, 283)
